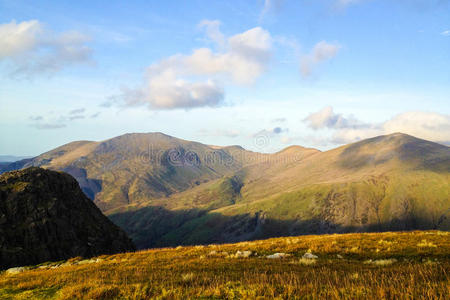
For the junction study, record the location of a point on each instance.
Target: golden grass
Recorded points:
(401, 270)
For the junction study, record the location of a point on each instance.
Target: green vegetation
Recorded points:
(396, 201)
(402, 265)
(164, 191)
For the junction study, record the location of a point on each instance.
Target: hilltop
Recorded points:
(394, 182)
(135, 167)
(165, 191)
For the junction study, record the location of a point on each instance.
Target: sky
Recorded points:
(263, 74)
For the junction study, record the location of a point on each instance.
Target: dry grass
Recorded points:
(401, 270)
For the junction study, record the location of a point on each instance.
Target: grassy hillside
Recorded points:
(393, 182)
(403, 265)
(140, 167)
(166, 191)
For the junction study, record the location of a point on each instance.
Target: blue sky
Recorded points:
(264, 74)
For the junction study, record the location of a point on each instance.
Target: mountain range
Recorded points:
(166, 191)
(11, 158)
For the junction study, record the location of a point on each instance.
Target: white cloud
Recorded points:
(426, 125)
(30, 48)
(16, 39)
(212, 29)
(321, 52)
(326, 118)
(446, 33)
(244, 60)
(188, 81)
(321, 119)
(166, 91)
(270, 6)
(350, 135)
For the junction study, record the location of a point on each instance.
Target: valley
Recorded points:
(165, 191)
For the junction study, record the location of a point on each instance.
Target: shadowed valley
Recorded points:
(166, 191)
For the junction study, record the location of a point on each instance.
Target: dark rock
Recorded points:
(44, 216)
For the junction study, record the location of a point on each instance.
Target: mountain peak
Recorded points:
(297, 149)
(410, 151)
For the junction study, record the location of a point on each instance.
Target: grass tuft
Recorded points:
(406, 272)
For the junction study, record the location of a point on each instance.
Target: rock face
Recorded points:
(45, 216)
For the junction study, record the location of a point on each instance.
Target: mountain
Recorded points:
(10, 162)
(15, 165)
(166, 191)
(45, 216)
(137, 167)
(12, 158)
(393, 182)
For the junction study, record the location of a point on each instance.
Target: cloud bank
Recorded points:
(326, 118)
(426, 125)
(196, 80)
(321, 52)
(28, 48)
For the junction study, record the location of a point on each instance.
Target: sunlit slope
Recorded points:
(393, 182)
(140, 167)
(167, 191)
(396, 179)
(351, 163)
(403, 265)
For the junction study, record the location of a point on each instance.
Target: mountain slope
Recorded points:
(167, 191)
(45, 216)
(394, 182)
(137, 167)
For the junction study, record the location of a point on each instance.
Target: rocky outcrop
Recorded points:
(44, 216)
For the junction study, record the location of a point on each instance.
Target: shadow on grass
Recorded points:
(155, 226)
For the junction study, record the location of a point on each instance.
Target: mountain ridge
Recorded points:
(221, 194)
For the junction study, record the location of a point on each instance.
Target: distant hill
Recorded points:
(16, 165)
(167, 191)
(12, 158)
(45, 216)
